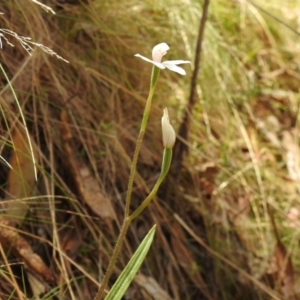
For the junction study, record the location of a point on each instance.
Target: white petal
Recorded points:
(159, 65)
(176, 62)
(174, 68)
(144, 58)
(159, 51)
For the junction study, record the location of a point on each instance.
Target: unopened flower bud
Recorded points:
(168, 132)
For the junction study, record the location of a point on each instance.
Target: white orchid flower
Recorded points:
(168, 132)
(158, 52)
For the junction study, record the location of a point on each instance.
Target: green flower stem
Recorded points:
(154, 77)
(113, 258)
(127, 220)
(167, 157)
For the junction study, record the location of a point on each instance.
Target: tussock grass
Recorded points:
(243, 129)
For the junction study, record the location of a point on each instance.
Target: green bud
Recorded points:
(168, 132)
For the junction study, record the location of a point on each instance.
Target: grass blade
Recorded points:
(124, 280)
(23, 120)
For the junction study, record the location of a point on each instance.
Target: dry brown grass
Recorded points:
(244, 129)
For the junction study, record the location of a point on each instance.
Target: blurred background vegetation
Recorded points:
(227, 218)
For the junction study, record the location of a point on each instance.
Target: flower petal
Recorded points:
(144, 58)
(176, 62)
(159, 51)
(159, 65)
(174, 68)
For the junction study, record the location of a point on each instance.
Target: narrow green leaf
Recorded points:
(119, 288)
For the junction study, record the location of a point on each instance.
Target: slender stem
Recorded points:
(133, 166)
(127, 220)
(113, 258)
(181, 147)
(154, 77)
(167, 157)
